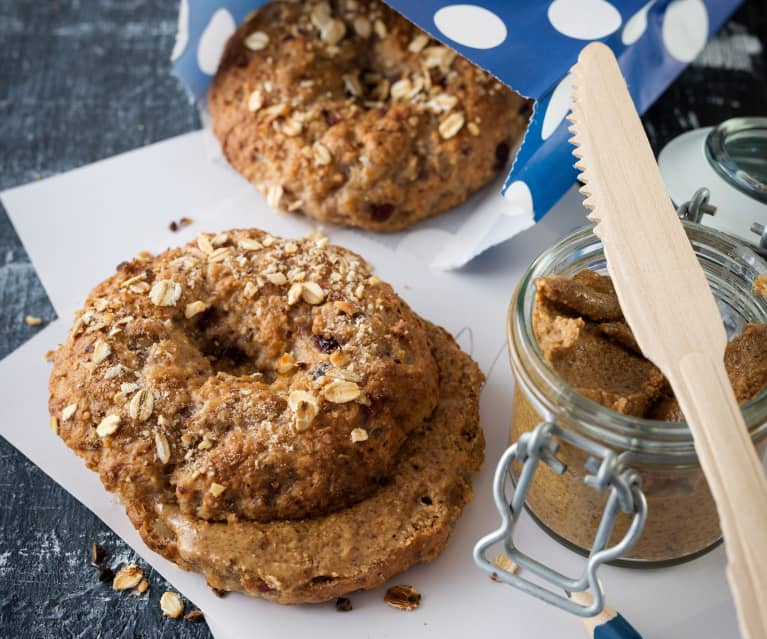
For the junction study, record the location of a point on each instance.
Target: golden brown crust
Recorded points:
(243, 385)
(407, 521)
(227, 371)
(379, 129)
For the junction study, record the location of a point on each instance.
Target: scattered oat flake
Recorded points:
(380, 29)
(333, 31)
(278, 279)
(171, 605)
(142, 587)
(68, 411)
(321, 153)
(362, 27)
(101, 350)
(165, 293)
(194, 308)
(204, 244)
(31, 320)
(255, 101)
(274, 195)
(142, 405)
(403, 597)
(128, 578)
(292, 127)
(216, 489)
(53, 422)
(450, 126)
(312, 293)
(341, 391)
(505, 564)
(418, 43)
(163, 448)
(304, 406)
(249, 244)
(108, 426)
(257, 41)
(359, 435)
(473, 128)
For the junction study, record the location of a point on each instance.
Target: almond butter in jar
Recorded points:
(682, 521)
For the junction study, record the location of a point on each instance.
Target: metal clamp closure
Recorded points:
(608, 472)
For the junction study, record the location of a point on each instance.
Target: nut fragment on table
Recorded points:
(98, 553)
(196, 616)
(343, 604)
(403, 597)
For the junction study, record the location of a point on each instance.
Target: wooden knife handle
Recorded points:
(736, 478)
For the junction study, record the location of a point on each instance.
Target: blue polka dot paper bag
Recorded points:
(528, 45)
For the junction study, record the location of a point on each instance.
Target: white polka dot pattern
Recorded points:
(213, 39)
(471, 25)
(584, 19)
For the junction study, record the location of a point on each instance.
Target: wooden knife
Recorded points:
(670, 308)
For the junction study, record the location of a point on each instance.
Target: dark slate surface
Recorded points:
(84, 80)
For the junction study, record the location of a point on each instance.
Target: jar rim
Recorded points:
(640, 435)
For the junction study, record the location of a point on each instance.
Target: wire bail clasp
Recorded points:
(607, 472)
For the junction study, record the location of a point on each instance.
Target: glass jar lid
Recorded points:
(737, 151)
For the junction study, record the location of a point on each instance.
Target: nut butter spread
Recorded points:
(582, 334)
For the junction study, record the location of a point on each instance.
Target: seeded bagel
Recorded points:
(355, 116)
(244, 383)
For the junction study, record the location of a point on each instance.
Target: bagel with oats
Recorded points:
(271, 414)
(355, 116)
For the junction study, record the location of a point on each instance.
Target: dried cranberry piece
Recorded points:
(501, 155)
(330, 118)
(326, 344)
(381, 212)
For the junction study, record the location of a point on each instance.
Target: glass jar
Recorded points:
(682, 521)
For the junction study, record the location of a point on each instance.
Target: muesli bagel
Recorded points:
(245, 383)
(355, 116)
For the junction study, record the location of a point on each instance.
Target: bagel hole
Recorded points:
(223, 350)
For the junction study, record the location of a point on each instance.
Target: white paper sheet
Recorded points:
(76, 227)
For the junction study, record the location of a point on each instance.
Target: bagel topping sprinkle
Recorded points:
(305, 407)
(165, 293)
